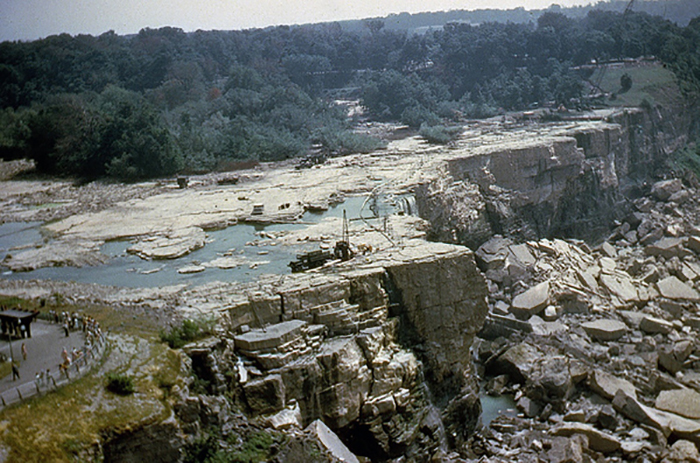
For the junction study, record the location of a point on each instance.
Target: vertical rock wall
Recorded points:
(353, 347)
(443, 306)
(569, 181)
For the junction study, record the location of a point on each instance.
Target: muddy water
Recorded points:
(127, 270)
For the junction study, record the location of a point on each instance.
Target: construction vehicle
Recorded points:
(314, 259)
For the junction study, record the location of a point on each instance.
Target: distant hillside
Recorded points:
(677, 11)
(165, 101)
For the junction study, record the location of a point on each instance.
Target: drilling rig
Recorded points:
(342, 248)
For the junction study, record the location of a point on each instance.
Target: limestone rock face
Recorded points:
(445, 321)
(160, 442)
(331, 347)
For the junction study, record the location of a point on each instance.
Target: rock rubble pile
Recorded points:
(598, 344)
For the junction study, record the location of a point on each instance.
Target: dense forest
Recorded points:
(165, 101)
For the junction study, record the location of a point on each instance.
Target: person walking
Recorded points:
(24, 351)
(15, 372)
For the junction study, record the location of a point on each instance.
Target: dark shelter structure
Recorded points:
(17, 323)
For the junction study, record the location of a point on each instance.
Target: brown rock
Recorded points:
(682, 451)
(684, 402)
(532, 301)
(607, 385)
(673, 288)
(605, 329)
(653, 325)
(597, 440)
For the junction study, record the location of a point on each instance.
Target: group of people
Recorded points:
(72, 321)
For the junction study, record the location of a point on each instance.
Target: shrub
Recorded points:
(625, 82)
(188, 331)
(120, 384)
(439, 134)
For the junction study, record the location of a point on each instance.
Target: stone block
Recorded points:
(605, 329)
(265, 395)
(331, 442)
(683, 402)
(673, 288)
(693, 244)
(532, 301)
(667, 247)
(664, 189)
(597, 440)
(270, 337)
(607, 385)
(653, 325)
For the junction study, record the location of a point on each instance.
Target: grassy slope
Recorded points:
(650, 81)
(61, 425)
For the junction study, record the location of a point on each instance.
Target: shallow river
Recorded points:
(124, 269)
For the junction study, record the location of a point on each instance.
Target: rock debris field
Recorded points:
(577, 295)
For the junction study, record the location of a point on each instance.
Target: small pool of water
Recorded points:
(493, 406)
(124, 269)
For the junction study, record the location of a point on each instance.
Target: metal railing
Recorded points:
(55, 378)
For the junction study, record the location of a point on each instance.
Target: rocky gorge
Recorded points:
(555, 262)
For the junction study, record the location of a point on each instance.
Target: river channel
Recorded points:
(257, 254)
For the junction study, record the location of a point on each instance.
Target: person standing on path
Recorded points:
(15, 372)
(24, 351)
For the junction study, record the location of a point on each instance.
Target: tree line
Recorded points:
(164, 101)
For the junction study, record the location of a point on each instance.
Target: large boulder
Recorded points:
(682, 451)
(550, 379)
(684, 402)
(265, 395)
(597, 440)
(607, 385)
(664, 189)
(519, 361)
(532, 301)
(673, 288)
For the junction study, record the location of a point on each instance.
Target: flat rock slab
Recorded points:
(667, 247)
(532, 301)
(172, 245)
(653, 325)
(605, 330)
(331, 442)
(607, 385)
(673, 288)
(270, 337)
(191, 269)
(597, 440)
(620, 286)
(684, 402)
